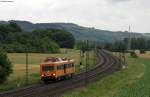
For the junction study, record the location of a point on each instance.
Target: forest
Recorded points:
(139, 43)
(14, 39)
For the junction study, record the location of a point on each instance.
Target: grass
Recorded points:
(37, 58)
(17, 78)
(134, 81)
(142, 86)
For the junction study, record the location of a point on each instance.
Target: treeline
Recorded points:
(13, 39)
(86, 45)
(135, 44)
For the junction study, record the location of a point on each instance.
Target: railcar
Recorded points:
(53, 69)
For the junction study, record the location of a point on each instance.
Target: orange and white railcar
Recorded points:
(56, 69)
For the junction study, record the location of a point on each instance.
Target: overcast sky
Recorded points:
(112, 15)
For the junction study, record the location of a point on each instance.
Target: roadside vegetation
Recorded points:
(130, 82)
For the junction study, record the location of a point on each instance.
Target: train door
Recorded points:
(65, 68)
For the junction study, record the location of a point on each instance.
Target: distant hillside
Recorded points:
(80, 33)
(147, 35)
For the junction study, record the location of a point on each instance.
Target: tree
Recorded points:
(148, 44)
(5, 66)
(15, 27)
(137, 43)
(62, 38)
(108, 46)
(45, 45)
(82, 45)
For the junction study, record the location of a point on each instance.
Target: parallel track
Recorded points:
(107, 65)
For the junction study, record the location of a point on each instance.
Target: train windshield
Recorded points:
(47, 68)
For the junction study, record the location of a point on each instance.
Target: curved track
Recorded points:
(107, 65)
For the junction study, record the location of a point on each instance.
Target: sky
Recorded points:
(114, 15)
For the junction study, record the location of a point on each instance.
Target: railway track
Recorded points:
(107, 65)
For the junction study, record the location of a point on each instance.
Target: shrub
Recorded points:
(142, 51)
(5, 66)
(133, 54)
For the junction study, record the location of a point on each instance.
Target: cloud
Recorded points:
(102, 14)
(118, 1)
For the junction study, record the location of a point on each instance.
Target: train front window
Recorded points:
(48, 68)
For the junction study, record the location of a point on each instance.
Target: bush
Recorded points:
(142, 51)
(133, 54)
(5, 66)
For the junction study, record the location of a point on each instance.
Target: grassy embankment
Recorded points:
(134, 81)
(17, 78)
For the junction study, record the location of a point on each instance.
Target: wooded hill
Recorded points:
(14, 39)
(79, 32)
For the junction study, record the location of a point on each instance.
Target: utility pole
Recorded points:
(124, 58)
(87, 62)
(94, 53)
(27, 73)
(81, 52)
(120, 57)
(129, 44)
(129, 40)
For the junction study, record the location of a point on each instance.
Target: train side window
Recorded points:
(69, 65)
(60, 67)
(66, 65)
(72, 65)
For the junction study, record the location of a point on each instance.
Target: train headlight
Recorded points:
(53, 74)
(42, 75)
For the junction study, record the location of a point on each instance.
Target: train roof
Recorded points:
(53, 60)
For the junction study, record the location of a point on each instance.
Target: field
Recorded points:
(17, 78)
(134, 81)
